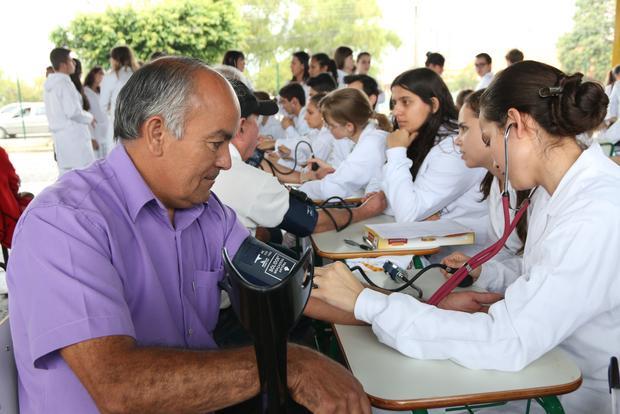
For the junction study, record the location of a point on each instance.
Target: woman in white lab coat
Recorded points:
(425, 175)
(92, 84)
(568, 294)
(123, 66)
(348, 114)
(476, 153)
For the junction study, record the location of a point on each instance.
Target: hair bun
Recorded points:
(582, 105)
(428, 54)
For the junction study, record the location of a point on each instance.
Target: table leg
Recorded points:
(551, 404)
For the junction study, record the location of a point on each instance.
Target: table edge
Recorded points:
(457, 400)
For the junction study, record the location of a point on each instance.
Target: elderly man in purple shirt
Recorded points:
(114, 270)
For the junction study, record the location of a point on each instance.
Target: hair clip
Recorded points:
(547, 92)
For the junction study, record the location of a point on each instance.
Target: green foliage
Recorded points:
(457, 80)
(30, 92)
(587, 49)
(203, 29)
(281, 28)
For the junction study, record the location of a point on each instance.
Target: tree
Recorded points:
(203, 29)
(587, 49)
(281, 28)
(30, 92)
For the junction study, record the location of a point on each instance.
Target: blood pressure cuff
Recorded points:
(301, 217)
(256, 158)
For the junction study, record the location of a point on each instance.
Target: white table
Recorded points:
(331, 245)
(396, 382)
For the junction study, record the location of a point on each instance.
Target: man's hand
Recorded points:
(284, 151)
(324, 168)
(287, 122)
(456, 260)
(400, 138)
(266, 144)
(95, 144)
(470, 301)
(337, 286)
(373, 204)
(323, 385)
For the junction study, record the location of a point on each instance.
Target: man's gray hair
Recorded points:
(162, 87)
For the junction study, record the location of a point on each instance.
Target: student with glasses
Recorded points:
(484, 69)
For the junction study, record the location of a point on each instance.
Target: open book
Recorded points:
(418, 235)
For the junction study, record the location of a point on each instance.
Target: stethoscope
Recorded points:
(488, 253)
(480, 258)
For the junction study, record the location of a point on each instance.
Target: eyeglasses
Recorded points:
(480, 65)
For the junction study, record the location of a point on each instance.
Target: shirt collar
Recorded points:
(234, 152)
(135, 190)
(569, 184)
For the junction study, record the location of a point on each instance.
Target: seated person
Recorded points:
(425, 174)
(321, 83)
(366, 84)
(12, 202)
(114, 270)
(259, 199)
(348, 114)
(566, 295)
(317, 143)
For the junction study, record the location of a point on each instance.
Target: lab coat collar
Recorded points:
(570, 186)
(234, 152)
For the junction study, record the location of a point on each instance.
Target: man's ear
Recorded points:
(153, 130)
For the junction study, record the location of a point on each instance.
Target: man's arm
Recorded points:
(374, 205)
(124, 378)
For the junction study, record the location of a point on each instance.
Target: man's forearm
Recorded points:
(160, 380)
(341, 217)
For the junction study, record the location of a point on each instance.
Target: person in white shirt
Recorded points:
(348, 114)
(68, 121)
(476, 153)
(425, 176)
(123, 65)
(99, 132)
(299, 67)
(567, 294)
(343, 56)
(321, 63)
(362, 66)
(435, 62)
(258, 198)
(484, 67)
(317, 143)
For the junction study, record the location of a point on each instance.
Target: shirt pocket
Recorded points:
(208, 296)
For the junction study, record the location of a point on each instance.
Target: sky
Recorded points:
(458, 29)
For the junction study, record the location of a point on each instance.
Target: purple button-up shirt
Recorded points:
(96, 255)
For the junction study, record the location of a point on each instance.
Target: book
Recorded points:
(418, 235)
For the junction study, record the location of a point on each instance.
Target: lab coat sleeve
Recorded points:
(71, 107)
(444, 179)
(500, 272)
(105, 94)
(269, 205)
(573, 281)
(614, 101)
(322, 146)
(351, 177)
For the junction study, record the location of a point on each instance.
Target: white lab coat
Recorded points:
(320, 144)
(443, 184)
(256, 196)
(111, 86)
(272, 128)
(100, 131)
(567, 296)
(614, 103)
(484, 81)
(68, 122)
(356, 171)
(294, 133)
(341, 148)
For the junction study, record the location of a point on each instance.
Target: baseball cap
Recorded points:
(250, 104)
